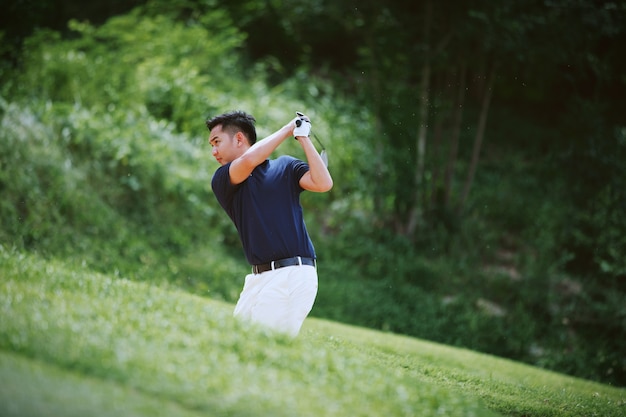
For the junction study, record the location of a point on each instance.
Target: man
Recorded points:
(262, 198)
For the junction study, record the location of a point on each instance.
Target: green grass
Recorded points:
(34, 388)
(74, 342)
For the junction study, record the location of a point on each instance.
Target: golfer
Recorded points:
(262, 198)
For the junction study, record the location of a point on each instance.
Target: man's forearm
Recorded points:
(262, 149)
(318, 172)
(241, 168)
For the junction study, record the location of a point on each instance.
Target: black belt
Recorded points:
(296, 260)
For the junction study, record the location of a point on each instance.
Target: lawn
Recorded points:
(76, 343)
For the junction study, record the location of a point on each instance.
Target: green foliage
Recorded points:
(43, 195)
(143, 58)
(115, 191)
(93, 169)
(393, 288)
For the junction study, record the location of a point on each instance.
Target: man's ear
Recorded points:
(240, 138)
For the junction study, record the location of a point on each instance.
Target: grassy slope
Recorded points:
(34, 388)
(74, 341)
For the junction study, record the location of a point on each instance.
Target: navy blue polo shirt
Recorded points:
(266, 209)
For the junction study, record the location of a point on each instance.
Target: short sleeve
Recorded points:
(299, 168)
(221, 185)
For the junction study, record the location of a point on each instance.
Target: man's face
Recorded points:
(225, 146)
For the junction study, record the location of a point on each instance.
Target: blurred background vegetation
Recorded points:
(478, 152)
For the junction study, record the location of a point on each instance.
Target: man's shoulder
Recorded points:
(285, 159)
(287, 163)
(221, 177)
(220, 171)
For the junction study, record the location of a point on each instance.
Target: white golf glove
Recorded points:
(303, 126)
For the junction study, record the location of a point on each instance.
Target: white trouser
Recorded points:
(279, 299)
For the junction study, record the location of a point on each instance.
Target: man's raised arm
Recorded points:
(242, 167)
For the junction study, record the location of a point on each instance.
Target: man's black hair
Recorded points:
(235, 121)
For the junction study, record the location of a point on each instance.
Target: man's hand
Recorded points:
(303, 125)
